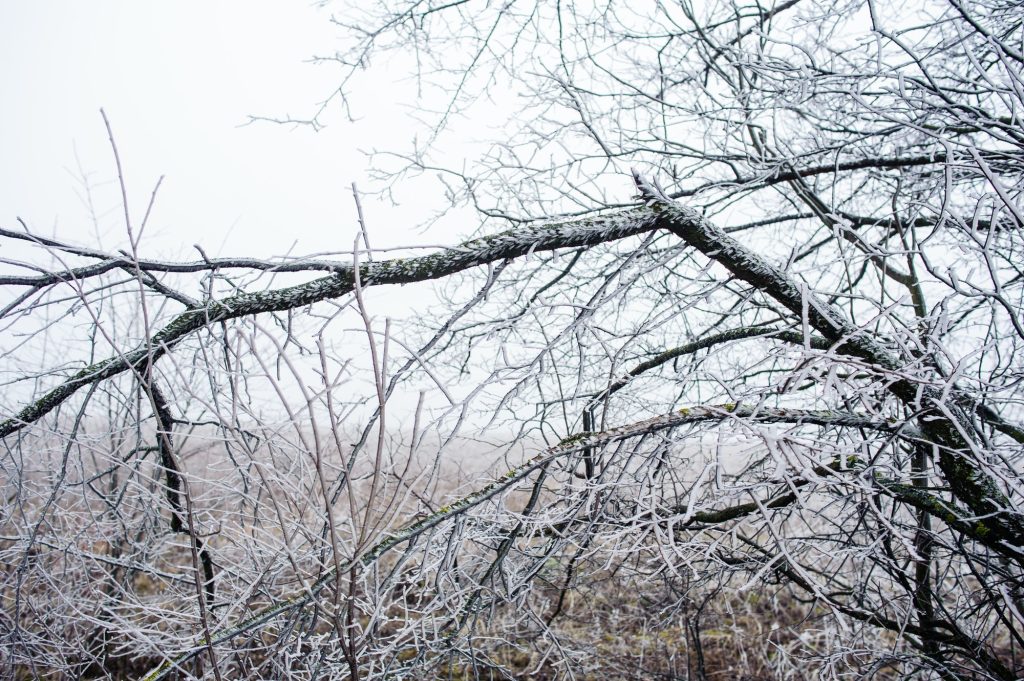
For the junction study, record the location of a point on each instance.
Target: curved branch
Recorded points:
(568, 446)
(975, 528)
(510, 244)
(986, 413)
(816, 342)
(944, 422)
(113, 261)
(780, 176)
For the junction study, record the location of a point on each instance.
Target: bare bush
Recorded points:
(760, 419)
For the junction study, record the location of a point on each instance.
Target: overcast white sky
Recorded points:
(178, 81)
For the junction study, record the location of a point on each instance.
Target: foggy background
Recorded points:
(179, 82)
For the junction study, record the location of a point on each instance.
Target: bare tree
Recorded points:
(786, 370)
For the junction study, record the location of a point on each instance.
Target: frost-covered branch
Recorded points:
(944, 422)
(567, 447)
(511, 244)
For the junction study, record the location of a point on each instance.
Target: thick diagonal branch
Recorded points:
(944, 422)
(511, 244)
(567, 447)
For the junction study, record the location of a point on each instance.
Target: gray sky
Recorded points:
(178, 81)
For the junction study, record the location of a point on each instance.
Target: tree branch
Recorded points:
(511, 244)
(570, 445)
(943, 421)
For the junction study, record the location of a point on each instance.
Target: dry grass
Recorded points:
(101, 594)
